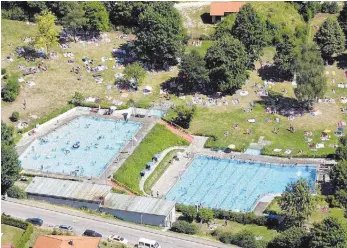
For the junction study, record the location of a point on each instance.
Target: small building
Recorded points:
(65, 192)
(56, 241)
(143, 210)
(221, 9)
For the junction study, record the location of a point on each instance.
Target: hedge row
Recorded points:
(182, 226)
(16, 192)
(7, 220)
(245, 239)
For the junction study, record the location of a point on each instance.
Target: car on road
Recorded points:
(118, 238)
(148, 243)
(91, 233)
(35, 221)
(65, 228)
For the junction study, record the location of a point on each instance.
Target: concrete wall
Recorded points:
(148, 219)
(71, 203)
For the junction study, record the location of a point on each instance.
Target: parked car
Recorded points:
(148, 243)
(118, 238)
(65, 228)
(35, 221)
(91, 233)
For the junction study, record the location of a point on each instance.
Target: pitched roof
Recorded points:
(219, 8)
(138, 204)
(67, 189)
(55, 241)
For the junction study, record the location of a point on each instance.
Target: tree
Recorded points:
(97, 17)
(160, 36)
(311, 81)
(341, 150)
(47, 33)
(285, 56)
(192, 71)
(9, 166)
(77, 99)
(331, 233)
(6, 134)
(189, 212)
(294, 237)
(205, 214)
(181, 115)
(225, 26)
(250, 29)
(135, 73)
(330, 7)
(309, 9)
(342, 19)
(296, 201)
(10, 91)
(338, 176)
(330, 38)
(227, 62)
(74, 18)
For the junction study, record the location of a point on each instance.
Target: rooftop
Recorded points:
(54, 241)
(67, 189)
(138, 204)
(219, 8)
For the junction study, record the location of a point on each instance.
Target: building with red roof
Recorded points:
(221, 9)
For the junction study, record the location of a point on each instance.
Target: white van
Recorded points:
(148, 243)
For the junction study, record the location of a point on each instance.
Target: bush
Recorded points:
(181, 226)
(26, 236)
(242, 218)
(243, 239)
(16, 192)
(205, 214)
(181, 115)
(3, 71)
(10, 91)
(333, 203)
(61, 233)
(77, 99)
(189, 212)
(15, 13)
(15, 116)
(7, 220)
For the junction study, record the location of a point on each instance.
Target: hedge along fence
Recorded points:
(242, 218)
(7, 220)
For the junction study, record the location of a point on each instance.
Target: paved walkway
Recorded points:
(162, 156)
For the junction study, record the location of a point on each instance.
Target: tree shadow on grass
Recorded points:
(175, 87)
(270, 72)
(283, 105)
(341, 61)
(29, 53)
(206, 18)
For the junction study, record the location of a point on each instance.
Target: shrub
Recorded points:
(10, 91)
(61, 233)
(15, 116)
(243, 239)
(16, 192)
(333, 203)
(3, 71)
(181, 115)
(242, 218)
(205, 214)
(181, 226)
(77, 99)
(15, 13)
(189, 212)
(7, 220)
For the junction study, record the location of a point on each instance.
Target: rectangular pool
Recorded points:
(83, 147)
(234, 185)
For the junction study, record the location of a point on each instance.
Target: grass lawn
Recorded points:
(11, 234)
(235, 227)
(159, 170)
(202, 50)
(54, 87)
(157, 140)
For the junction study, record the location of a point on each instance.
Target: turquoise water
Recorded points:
(100, 140)
(234, 185)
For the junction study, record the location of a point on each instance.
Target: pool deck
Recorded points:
(147, 124)
(177, 168)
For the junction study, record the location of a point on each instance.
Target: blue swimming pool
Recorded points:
(234, 185)
(82, 147)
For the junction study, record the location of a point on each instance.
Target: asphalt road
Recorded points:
(80, 223)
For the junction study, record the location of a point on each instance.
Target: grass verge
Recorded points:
(11, 234)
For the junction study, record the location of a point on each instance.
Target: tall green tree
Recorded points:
(296, 201)
(331, 233)
(135, 72)
(160, 36)
(342, 19)
(250, 29)
(227, 63)
(330, 38)
(330, 7)
(311, 81)
(97, 16)
(192, 72)
(74, 18)
(285, 56)
(341, 151)
(9, 158)
(47, 31)
(294, 237)
(338, 176)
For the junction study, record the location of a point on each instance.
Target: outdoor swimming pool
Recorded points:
(82, 147)
(234, 185)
